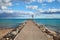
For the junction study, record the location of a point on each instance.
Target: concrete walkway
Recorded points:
(31, 32)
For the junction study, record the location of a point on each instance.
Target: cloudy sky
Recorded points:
(31, 7)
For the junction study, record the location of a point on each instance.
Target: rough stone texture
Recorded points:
(32, 32)
(3, 32)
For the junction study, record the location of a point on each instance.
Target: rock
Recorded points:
(50, 37)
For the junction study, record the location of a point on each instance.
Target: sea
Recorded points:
(52, 24)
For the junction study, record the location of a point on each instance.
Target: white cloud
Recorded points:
(44, 4)
(9, 4)
(3, 7)
(25, 12)
(5, 3)
(53, 10)
(49, 10)
(50, 0)
(26, 1)
(8, 11)
(40, 10)
(32, 7)
(49, 16)
(17, 11)
(41, 1)
(31, 1)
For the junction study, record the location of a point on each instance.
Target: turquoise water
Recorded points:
(50, 23)
(53, 24)
(10, 23)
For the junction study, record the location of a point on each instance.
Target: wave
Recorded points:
(53, 28)
(10, 25)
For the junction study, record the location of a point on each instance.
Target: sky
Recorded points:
(31, 7)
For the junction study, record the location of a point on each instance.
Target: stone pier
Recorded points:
(32, 32)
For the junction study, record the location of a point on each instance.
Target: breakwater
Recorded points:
(11, 35)
(54, 34)
(30, 30)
